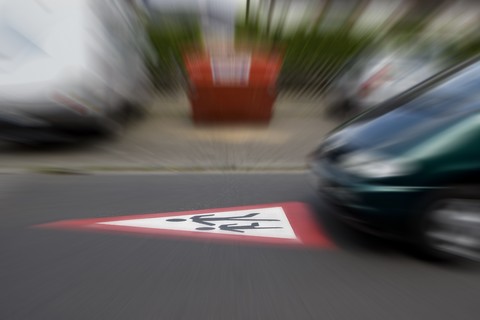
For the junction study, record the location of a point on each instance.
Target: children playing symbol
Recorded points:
(208, 222)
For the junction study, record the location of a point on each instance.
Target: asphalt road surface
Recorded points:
(71, 274)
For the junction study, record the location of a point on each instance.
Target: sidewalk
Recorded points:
(167, 140)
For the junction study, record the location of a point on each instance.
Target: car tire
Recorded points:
(113, 125)
(135, 111)
(340, 108)
(449, 225)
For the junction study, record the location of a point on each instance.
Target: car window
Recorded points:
(459, 94)
(436, 109)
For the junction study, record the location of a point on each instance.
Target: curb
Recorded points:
(152, 170)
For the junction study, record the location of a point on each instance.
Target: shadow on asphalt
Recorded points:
(68, 142)
(74, 144)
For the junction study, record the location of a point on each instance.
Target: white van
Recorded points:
(70, 66)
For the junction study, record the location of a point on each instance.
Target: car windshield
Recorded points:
(432, 111)
(457, 95)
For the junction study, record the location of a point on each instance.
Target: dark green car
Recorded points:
(411, 166)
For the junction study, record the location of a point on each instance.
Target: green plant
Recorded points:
(170, 42)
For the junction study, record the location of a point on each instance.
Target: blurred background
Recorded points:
(318, 38)
(113, 108)
(163, 78)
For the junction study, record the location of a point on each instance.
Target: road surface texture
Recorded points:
(66, 274)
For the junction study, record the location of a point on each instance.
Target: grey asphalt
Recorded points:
(60, 274)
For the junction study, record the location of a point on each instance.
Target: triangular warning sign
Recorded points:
(284, 223)
(260, 222)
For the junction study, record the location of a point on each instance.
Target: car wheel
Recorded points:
(113, 125)
(449, 228)
(135, 111)
(340, 108)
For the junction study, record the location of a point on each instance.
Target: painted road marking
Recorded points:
(263, 222)
(290, 223)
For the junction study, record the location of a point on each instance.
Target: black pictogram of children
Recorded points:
(209, 222)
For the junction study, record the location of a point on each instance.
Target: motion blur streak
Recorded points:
(365, 111)
(92, 53)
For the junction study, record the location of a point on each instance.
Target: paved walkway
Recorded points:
(167, 140)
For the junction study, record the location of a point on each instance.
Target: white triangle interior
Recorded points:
(263, 222)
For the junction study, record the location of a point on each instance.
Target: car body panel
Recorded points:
(436, 129)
